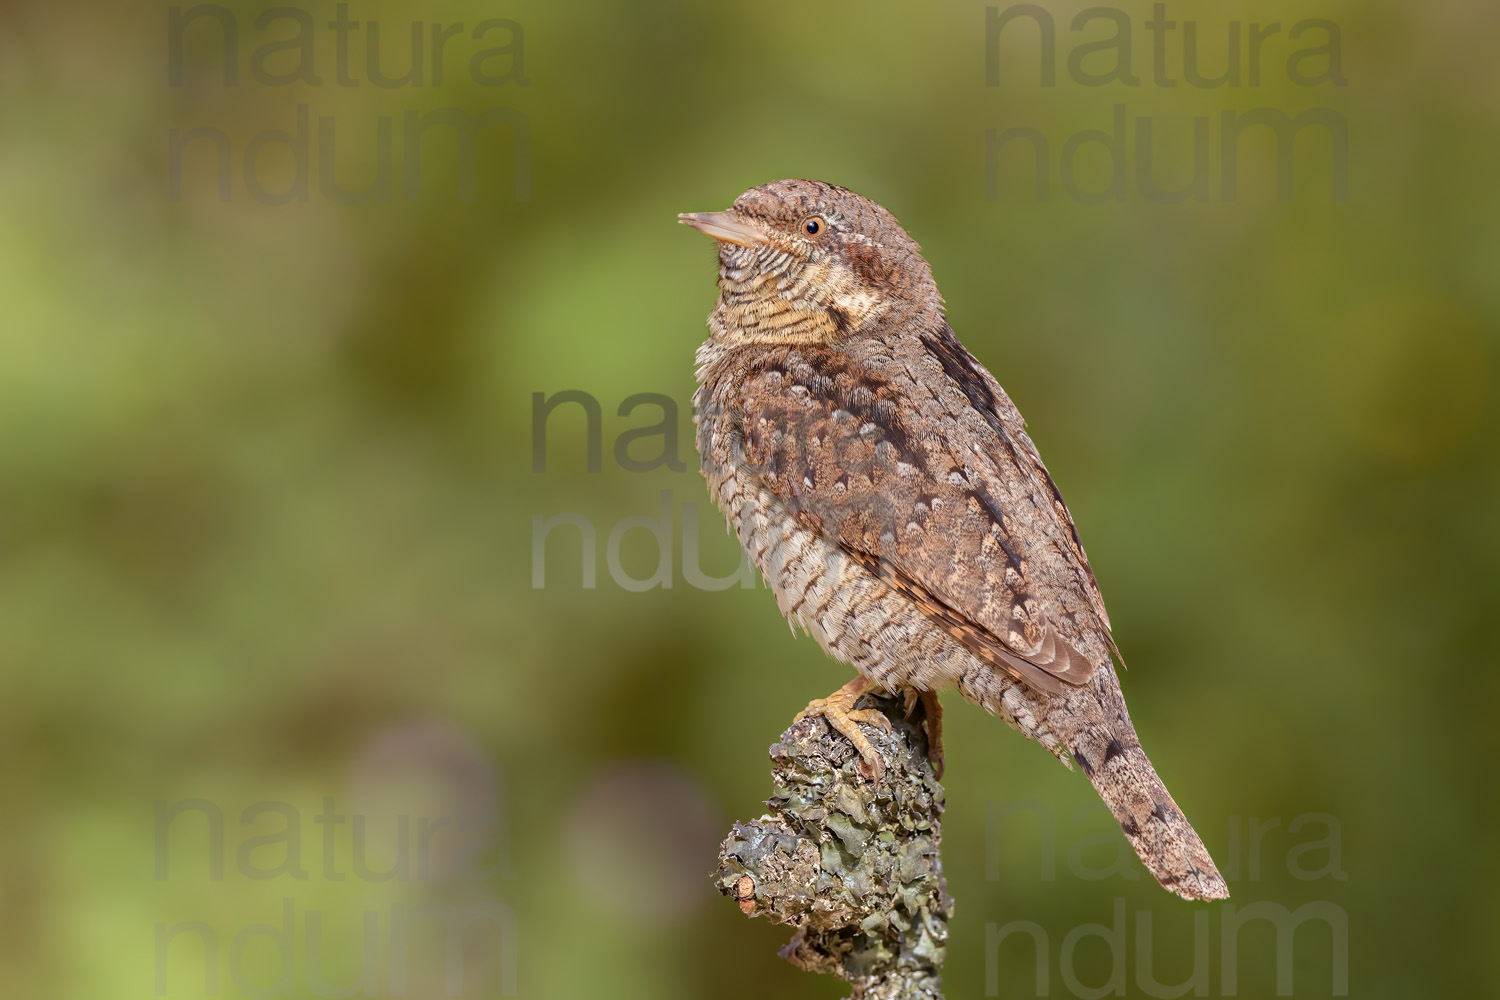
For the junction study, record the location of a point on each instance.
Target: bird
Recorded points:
(884, 485)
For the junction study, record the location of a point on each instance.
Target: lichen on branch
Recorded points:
(851, 862)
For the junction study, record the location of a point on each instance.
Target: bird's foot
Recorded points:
(932, 714)
(838, 709)
(932, 709)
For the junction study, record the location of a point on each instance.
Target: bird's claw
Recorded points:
(932, 713)
(839, 711)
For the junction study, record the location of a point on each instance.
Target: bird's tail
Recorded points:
(1111, 756)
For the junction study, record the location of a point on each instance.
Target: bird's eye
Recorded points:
(813, 226)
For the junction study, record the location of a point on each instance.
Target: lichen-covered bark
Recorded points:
(850, 863)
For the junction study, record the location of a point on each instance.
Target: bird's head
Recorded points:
(808, 262)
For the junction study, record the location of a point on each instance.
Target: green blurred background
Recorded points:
(267, 495)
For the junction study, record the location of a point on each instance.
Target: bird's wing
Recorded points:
(989, 400)
(923, 491)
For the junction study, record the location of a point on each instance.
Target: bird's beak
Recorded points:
(723, 227)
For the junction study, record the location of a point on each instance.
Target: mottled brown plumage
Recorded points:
(884, 484)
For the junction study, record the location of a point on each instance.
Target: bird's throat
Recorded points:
(773, 320)
(809, 303)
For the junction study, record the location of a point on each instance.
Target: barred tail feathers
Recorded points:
(1162, 837)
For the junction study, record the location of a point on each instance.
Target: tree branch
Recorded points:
(852, 864)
